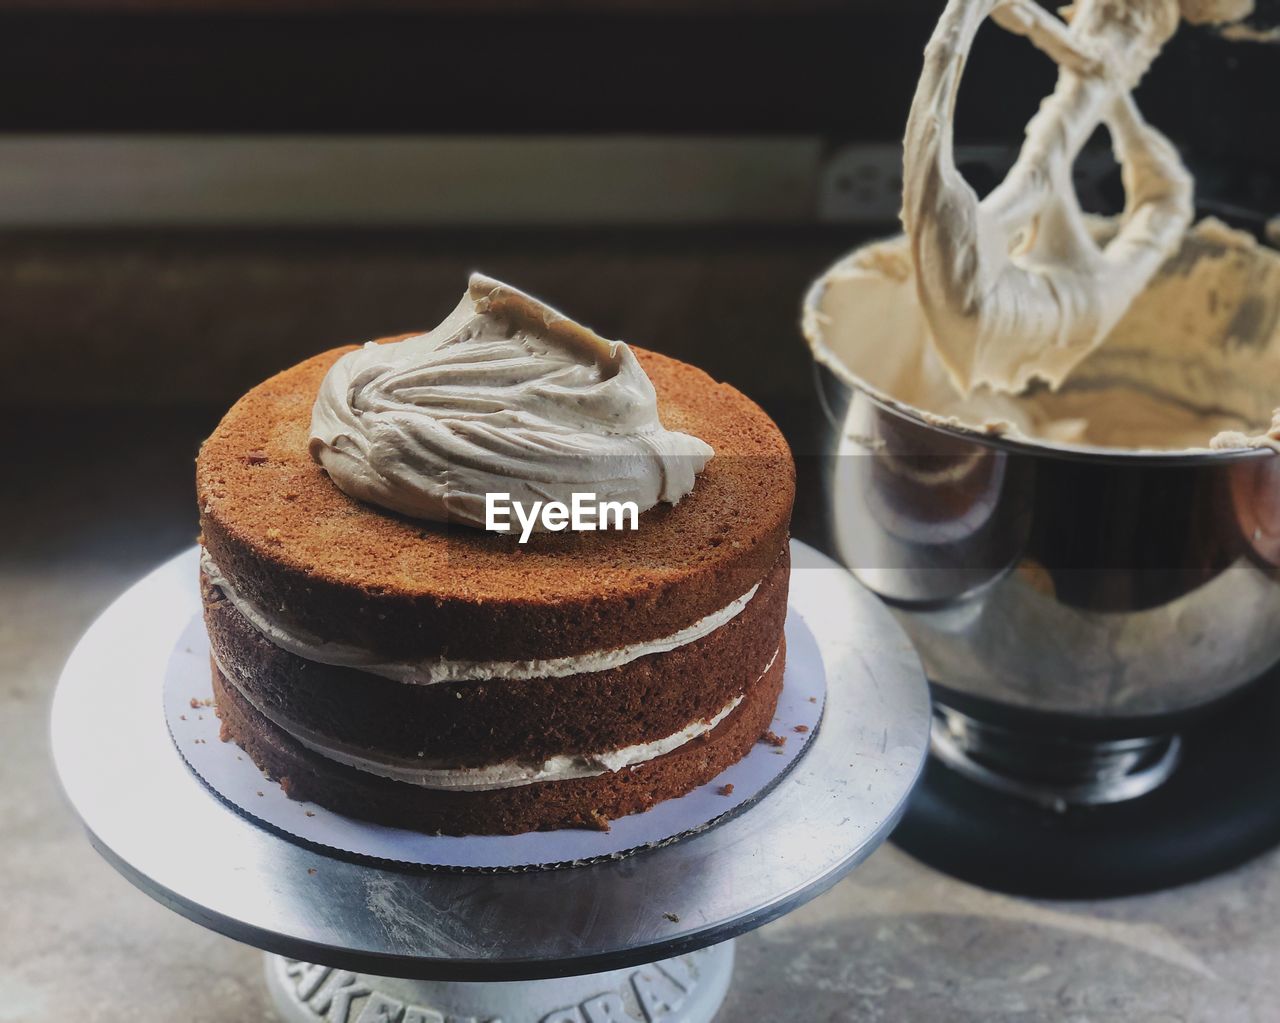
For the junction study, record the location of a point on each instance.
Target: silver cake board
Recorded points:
(628, 931)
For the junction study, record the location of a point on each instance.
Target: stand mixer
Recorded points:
(1050, 455)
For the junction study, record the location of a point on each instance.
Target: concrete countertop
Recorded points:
(92, 507)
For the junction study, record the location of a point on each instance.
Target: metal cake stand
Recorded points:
(645, 937)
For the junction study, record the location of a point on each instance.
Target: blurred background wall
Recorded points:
(194, 193)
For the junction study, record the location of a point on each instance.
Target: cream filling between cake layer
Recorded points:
(433, 670)
(505, 775)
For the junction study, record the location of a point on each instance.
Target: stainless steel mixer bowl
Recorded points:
(1082, 585)
(1128, 585)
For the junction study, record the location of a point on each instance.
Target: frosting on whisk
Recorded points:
(1014, 286)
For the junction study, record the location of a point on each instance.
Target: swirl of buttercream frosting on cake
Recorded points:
(505, 396)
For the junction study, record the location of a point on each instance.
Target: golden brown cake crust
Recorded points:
(319, 561)
(479, 722)
(581, 802)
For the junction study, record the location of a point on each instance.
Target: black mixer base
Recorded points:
(1219, 808)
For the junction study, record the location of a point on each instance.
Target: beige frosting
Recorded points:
(1015, 288)
(1193, 363)
(1250, 34)
(430, 773)
(434, 774)
(1020, 315)
(505, 396)
(1215, 12)
(435, 670)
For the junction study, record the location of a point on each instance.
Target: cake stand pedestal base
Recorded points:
(686, 989)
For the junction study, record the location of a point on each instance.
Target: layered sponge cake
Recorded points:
(408, 666)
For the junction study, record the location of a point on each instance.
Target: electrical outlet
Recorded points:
(861, 184)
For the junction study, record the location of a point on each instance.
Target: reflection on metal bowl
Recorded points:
(1061, 589)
